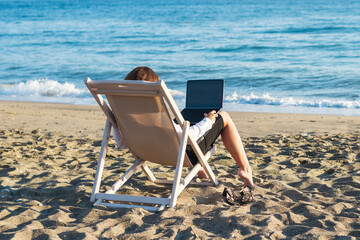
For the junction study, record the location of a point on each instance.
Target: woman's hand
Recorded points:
(211, 115)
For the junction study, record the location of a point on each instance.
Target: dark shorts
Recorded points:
(207, 141)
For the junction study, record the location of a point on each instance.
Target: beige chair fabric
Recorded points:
(147, 128)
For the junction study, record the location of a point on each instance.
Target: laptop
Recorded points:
(202, 96)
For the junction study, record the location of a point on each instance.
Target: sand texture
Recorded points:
(306, 168)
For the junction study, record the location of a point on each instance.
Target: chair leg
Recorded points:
(203, 162)
(210, 173)
(100, 166)
(126, 176)
(148, 172)
(179, 166)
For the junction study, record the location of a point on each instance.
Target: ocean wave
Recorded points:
(42, 88)
(176, 94)
(45, 90)
(320, 29)
(53, 91)
(267, 99)
(231, 48)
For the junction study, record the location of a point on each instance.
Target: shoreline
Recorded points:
(83, 120)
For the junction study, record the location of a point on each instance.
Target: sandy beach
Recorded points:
(306, 169)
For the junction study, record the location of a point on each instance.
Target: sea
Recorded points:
(281, 56)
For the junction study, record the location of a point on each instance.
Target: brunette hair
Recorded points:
(142, 73)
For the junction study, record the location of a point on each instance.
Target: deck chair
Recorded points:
(139, 110)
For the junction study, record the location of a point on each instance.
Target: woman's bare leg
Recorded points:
(232, 142)
(202, 174)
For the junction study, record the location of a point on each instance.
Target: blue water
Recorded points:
(275, 56)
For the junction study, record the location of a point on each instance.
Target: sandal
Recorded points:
(241, 197)
(229, 197)
(246, 193)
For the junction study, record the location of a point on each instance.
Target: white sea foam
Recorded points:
(42, 88)
(46, 90)
(176, 93)
(267, 99)
(49, 88)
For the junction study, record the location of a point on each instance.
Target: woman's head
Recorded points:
(142, 73)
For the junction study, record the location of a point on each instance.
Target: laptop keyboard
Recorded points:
(194, 115)
(197, 112)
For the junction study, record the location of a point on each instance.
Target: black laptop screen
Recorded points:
(205, 94)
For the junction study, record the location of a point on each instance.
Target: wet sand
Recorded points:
(306, 168)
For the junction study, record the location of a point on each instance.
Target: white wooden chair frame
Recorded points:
(178, 185)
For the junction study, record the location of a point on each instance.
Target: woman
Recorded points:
(206, 132)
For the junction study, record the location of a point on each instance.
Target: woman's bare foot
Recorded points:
(202, 174)
(246, 176)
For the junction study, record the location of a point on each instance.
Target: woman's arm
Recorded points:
(200, 128)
